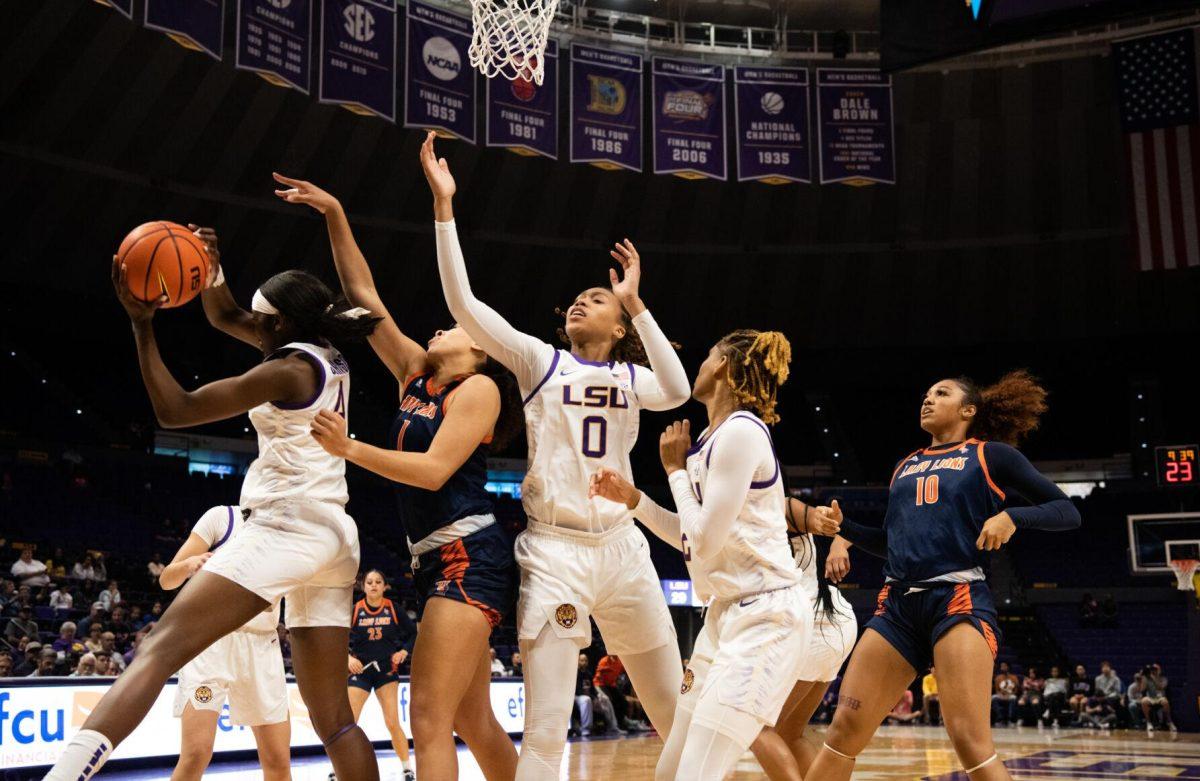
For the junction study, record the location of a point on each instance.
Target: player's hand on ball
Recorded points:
(625, 286)
(837, 563)
(355, 666)
(825, 521)
(437, 170)
(673, 446)
(998, 530)
(329, 429)
(208, 237)
(300, 191)
(139, 311)
(610, 485)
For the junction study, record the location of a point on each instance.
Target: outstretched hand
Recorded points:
(437, 170)
(329, 429)
(673, 446)
(825, 521)
(300, 191)
(625, 286)
(610, 485)
(139, 311)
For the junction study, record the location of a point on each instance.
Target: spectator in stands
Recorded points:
(120, 627)
(1005, 688)
(95, 616)
(156, 611)
(581, 713)
(61, 598)
(498, 668)
(1098, 713)
(1089, 611)
(47, 661)
(607, 680)
(1081, 691)
(92, 641)
(84, 570)
(903, 712)
(154, 567)
(56, 565)
(1108, 685)
(66, 642)
(28, 571)
(285, 645)
(8, 593)
(108, 646)
(104, 664)
(111, 596)
(6, 665)
(1159, 682)
(137, 641)
(135, 617)
(1055, 696)
(1030, 701)
(86, 667)
(21, 625)
(930, 706)
(1108, 612)
(517, 670)
(636, 716)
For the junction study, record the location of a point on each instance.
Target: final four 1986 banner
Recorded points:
(606, 108)
(273, 38)
(523, 116)
(857, 138)
(688, 118)
(194, 24)
(771, 110)
(439, 82)
(358, 55)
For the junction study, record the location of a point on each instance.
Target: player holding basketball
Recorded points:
(298, 542)
(949, 503)
(455, 404)
(245, 668)
(732, 528)
(580, 558)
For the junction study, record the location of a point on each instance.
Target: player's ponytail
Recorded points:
(759, 364)
(511, 419)
(1008, 410)
(314, 311)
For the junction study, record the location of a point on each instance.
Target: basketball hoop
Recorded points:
(1184, 569)
(509, 37)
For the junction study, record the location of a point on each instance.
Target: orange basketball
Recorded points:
(164, 258)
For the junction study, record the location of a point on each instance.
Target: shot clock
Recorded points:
(1176, 465)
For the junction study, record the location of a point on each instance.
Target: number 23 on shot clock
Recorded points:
(1176, 465)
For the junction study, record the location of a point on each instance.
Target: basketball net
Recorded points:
(509, 37)
(1184, 569)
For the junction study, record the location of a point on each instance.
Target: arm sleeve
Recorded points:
(660, 520)
(1050, 508)
(212, 525)
(740, 452)
(526, 357)
(665, 384)
(870, 539)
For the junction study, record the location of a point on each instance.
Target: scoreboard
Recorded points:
(1175, 466)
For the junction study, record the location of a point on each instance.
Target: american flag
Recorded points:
(1160, 111)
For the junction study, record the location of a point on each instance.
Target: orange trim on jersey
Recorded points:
(455, 560)
(354, 613)
(960, 603)
(435, 390)
(965, 443)
(407, 382)
(385, 604)
(903, 461)
(490, 613)
(990, 637)
(988, 475)
(879, 600)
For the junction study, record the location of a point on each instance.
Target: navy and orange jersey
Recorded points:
(377, 633)
(422, 512)
(941, 497)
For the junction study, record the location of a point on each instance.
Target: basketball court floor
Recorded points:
(897, 753)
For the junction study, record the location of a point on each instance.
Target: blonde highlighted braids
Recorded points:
(758, 366)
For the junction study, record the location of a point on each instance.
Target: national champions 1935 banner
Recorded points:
(193, 24)
(358, 55)
(274, 40)
(439, 82)
(688, 118)
(523, 116)
(857, 136)
(771, 111)
(606, 108)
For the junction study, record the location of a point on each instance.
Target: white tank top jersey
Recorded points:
(218, 526)
(756, 556)
(804, 554)
(290, 464)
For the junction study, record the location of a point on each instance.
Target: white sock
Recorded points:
(82, 758)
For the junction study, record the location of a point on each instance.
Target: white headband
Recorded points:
(260, 304)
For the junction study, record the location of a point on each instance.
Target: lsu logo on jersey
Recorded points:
(595, 397)
(566, 615)
(689, 680)
(203, 694)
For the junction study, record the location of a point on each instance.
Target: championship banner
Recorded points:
(193, 24)
(439, 83)
(523, 116)
(606, 108)
(273, 40)
(857, 138)
(688, 120)
(358, 56)
(771, 116)
(123, 7)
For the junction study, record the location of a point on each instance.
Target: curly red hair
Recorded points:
(1008, 410)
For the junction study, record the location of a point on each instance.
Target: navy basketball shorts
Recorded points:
(478, 570)
(376, 674)
(914, 622)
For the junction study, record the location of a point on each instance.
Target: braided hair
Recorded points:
(758, 366)
(1007, 410)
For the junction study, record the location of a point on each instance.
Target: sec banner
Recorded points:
(358, 56)
(193, 24)
(523, 116)
(688, 120)
(857, 138)
(273, 40)
(606, 108)
(439, 81)
(771, 117)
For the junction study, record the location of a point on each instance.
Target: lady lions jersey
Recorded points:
(290, 463)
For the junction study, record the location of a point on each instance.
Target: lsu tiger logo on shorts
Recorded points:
(203, 694)
(689, 678)
(566, 616)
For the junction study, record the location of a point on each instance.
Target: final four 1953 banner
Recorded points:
(358, 55)
(857, 137)
(439, 83)
(273, 38)
(688, 118)
(193, 24)
(771, 111)
(606, 108)
(523, 116)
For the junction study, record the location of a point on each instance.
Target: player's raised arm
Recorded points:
(525, 356)
(403, 356)
(222, 311)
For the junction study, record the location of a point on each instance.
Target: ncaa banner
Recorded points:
(606, 108)
(439, 83)
(688, 121)
(123, 7)
(273, 40)
(770, 109)
(523, 116)
(856, 135)
(193, 24)
(358, 56)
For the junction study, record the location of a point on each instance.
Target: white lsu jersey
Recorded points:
(756, 557)
(804, 554)
(218, 526)
(580, 417)
(290, 464)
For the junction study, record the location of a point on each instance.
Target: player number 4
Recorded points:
(927, 490)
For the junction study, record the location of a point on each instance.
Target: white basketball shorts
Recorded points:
(244, 668)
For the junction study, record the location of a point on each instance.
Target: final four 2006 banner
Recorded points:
(195, 24)
(273, 40)
(522, 116)
(439, 82)
(857, 138)
(771, 111)
(358, 55)
(688, 118)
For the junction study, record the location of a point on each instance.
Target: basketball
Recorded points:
(771, 102)
(164, 258)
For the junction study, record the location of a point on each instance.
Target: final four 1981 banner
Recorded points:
(771, 111)
(273, 40)
(606, 108)
(857, 137)
(523, 116)
(358, 55)
(194, 24)
(688, 118)
(439, 82)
